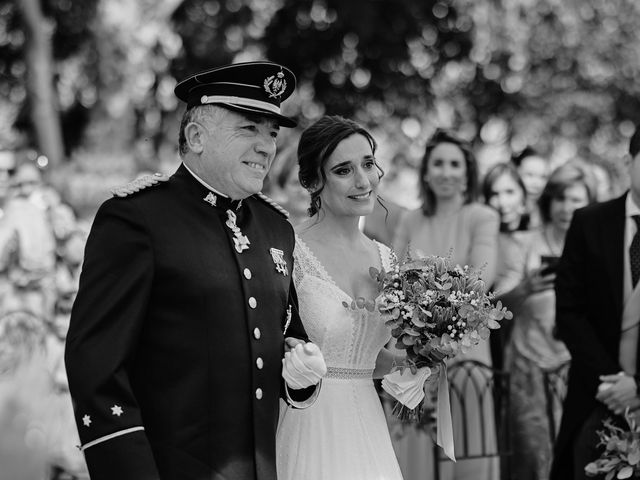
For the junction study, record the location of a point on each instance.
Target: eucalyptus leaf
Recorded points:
(625, 472)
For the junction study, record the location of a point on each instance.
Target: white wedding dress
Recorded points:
(344, 435)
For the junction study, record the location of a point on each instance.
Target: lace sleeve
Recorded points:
(303, 262)
(298, 269)
(386, 256)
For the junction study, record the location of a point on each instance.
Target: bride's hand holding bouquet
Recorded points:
(435, 310)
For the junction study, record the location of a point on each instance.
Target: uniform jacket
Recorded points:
(175, 347)
(589, 304)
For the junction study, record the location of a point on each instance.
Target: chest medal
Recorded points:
(240, 241)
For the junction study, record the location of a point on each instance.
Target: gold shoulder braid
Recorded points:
(272, 204)
(139, 184)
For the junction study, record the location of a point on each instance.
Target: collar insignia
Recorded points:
(278, 259)
(211, 199)
(275, 85)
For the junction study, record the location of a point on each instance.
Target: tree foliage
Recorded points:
(71, 35)
(558, 74)
(378, 55)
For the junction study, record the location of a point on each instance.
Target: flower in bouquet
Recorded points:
(436, 310)
(621, 456)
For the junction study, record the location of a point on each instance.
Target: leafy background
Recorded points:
(89, 83)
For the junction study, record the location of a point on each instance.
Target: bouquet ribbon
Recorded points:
(444, 427)
(408, 389)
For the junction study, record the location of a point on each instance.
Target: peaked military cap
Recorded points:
(257, 87)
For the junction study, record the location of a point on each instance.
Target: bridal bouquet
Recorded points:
(436, 310)
(621, 458)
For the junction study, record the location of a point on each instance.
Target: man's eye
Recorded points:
(251, 128)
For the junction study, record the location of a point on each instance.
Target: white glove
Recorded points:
(303, 366)
(406, 387)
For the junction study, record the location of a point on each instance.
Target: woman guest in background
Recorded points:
(450, 222)
(504, 190)
(344, 436)
(532, 346)
(534, 171)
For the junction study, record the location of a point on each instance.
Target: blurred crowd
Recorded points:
(41, 248)
(511, 223)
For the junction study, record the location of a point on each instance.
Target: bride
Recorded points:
(344, 434)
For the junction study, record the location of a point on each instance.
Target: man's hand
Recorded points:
(618, 392)
(303, 366)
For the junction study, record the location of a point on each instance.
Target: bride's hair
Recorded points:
(316, 145)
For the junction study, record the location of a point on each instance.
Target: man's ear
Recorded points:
(193, 134)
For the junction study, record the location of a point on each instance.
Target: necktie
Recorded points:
(634, 253)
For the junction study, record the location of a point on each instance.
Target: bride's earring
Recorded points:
(316, 205)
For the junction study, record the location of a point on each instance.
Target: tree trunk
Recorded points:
(42, 98)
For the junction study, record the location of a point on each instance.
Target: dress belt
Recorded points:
(349, 373)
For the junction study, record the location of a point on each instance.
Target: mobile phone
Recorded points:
(549, 264)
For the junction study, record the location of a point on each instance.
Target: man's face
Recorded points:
(237, 153)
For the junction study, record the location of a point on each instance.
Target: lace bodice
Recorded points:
(348, 338)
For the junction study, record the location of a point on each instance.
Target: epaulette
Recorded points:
(139, 184)
(272, 204)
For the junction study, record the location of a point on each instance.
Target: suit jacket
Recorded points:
(175, 347)
(589, 302)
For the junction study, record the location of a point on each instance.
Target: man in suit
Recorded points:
(597, 315)
(175, 349)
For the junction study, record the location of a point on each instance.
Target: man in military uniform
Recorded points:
(175, 348)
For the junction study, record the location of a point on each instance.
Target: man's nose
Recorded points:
(266, 145)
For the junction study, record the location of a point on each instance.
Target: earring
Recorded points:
(316, 205)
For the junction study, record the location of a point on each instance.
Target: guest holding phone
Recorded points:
(533, 346)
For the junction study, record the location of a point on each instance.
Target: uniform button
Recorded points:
(258, 393)
(247, 273)
(259, 363)
(256, 333)
(253, 303)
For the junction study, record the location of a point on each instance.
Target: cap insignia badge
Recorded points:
(275, 85)
(279, 261)
(240, 241)
(211, 199)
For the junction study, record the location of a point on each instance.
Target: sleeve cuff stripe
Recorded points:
(305, 403)
(109, 437)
